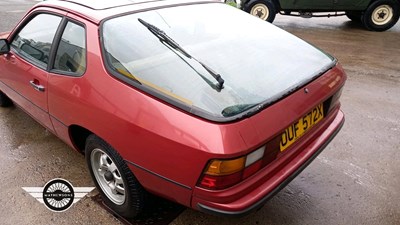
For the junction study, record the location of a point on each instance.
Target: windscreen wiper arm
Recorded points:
(163, 37)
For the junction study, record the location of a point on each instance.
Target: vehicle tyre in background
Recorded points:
(119, 188)
(381, 15)
(263, 9)
(4, 100)
(354, 15)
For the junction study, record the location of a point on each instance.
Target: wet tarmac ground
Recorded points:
(356, 180)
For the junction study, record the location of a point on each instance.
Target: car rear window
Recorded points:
(258, 61)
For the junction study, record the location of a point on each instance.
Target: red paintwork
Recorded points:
(4, 34)
(158, 136)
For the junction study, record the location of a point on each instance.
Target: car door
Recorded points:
(67, 88)
(25, 66)
(306, 5)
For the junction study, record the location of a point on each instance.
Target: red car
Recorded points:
(215, 115)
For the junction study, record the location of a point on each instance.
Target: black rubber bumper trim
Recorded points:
(260, 203)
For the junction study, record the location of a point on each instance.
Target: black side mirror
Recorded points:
(32, 51)
(4, 46)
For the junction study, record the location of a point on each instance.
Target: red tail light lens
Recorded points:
(220, 182)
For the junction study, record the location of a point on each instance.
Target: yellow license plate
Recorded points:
(297, 129)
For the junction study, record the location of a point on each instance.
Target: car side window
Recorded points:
(34, 41)
(71, 52)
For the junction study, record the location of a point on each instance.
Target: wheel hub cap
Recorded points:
(260, 13)
(382, 15)
(108, 176)
(260, 10)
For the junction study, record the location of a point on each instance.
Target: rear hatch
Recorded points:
(259, 62)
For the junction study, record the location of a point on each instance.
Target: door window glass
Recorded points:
(34, 41)
(71, 52)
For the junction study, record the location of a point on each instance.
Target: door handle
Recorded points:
(12, 59)
(9, 58)
(37, 87)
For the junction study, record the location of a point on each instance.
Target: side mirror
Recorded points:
(4, 46)
(32, 51)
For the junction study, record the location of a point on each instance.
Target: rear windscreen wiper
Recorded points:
(164, 38)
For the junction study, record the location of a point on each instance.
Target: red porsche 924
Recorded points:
(194, 101)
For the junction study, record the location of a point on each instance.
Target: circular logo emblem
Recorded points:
(58, 195)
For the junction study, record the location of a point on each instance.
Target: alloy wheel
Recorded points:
(108, 176)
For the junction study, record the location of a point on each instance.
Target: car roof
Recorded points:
(97, 10)
(103, 4)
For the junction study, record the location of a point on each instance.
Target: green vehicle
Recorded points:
(375, 15)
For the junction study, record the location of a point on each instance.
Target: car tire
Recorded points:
(119, 188)
(5, 101)
(381, 15)
(263, 9)
(354, 15)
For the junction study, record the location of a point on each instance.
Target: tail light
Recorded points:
(222, 173)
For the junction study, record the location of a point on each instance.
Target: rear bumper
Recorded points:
(245, 197)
